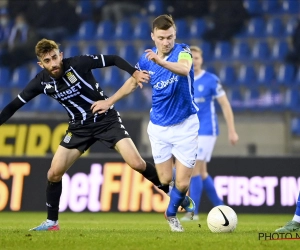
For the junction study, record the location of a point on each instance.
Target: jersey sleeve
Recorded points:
(142, 63)
(33, 88)
(185, 53)
(217, 88)
(88, 62)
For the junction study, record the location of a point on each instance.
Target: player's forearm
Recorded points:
(128, 87)
(229, 117)
(176, 67)
(10, 109)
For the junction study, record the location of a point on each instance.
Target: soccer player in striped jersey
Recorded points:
(70, 82)
(207, 88)
(173, 127)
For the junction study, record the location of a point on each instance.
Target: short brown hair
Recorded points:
(163, 22)
(196, 49)
(44, 46)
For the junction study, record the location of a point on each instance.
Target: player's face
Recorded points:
(164, 40)
(52, 62)
(197, 59)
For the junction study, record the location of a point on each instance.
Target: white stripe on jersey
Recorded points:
(80, 109)
(213, 119)
(83, 81)
(95, 117)
(66, 82)
(190, 89)
(55, 86)
(103, 61)
(21, 99)
(87, 99)
(70, 112)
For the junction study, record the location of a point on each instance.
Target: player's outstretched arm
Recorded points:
(128, 87)
(229, 118)
(10, 109)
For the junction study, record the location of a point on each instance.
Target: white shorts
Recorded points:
(206, 146)
(180, 140)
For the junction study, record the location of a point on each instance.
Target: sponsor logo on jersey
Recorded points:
(200, 99)
(151, 72)
(68, 137)
(68, 93)
(71, 77)
(163, 84)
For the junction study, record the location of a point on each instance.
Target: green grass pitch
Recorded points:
(136, 231)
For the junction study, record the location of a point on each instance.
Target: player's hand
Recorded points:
(141, 77)
(233, 138)
(151, 55)
(100, 107)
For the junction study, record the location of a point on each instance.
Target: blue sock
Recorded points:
(196, 187)
(176, 198)
(298, 206)
(209, 187)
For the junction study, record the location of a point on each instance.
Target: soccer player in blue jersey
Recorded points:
(294, 224)
(173, 127)
(207, 88)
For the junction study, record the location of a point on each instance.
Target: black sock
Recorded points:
(53, 193)
(151, 175)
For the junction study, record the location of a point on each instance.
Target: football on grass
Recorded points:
(222, 219)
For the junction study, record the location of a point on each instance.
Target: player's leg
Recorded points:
(61, 162)
(209, 187)
(177, 197)
(183, 138)
(195, 191)
(132, 157)
(294, 224)
(208, 183)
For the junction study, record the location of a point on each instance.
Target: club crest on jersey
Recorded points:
(68, 137)
(71, 77)
(200, 88)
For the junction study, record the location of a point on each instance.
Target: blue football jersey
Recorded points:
(172, 94)
(207, 88)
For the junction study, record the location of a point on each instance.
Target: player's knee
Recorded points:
(54, 176)
(182, 185)
(164, 179)
(204, 175)
(138, 165)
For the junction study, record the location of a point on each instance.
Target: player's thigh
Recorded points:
(161, 142)
(130, 154)
(62, 161)
(185, 141)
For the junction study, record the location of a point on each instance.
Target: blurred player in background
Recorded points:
(70, 81)
(294, 224)
(207, 89)
(173, 127)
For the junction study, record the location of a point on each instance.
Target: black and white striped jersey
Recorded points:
(76, 90)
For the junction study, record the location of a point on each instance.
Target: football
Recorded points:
(222, 219)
